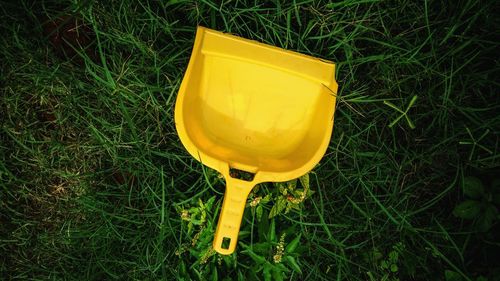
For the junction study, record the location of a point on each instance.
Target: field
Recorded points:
(96, 185)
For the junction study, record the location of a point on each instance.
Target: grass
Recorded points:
(95, 184)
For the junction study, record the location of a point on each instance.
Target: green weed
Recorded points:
(480, 204)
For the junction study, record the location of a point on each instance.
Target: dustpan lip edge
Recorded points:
(265, 45)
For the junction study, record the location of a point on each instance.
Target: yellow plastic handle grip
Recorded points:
(233, 206)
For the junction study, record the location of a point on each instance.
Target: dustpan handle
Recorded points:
(231, 214)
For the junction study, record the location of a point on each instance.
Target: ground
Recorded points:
(96, 185)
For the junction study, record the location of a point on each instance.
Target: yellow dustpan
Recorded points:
(253, 107)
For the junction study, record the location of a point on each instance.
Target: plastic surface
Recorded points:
(256, 108)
